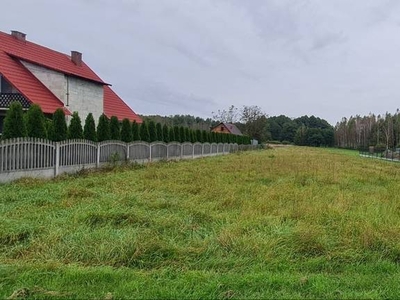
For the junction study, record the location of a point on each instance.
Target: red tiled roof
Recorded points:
(115, 106)
(46, 57)
(28, 85)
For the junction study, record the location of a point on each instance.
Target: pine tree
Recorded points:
(14, 125)
(103, 129)
(166, 137)
(159, 132)
(126, 131)
(89, 130)
(59, 130)
(135, 131)
(152, 132)
(144, 132)
(171, 134)
(115, 129)
(36, 122)
(75, 130)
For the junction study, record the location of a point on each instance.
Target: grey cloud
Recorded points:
(331, 58)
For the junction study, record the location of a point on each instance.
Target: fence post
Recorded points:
(150, 152)
(127, 151)
(98, 156)
(202, 150)
(57, 163)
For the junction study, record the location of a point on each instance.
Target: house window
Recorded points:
(222, 128)
(5, 86)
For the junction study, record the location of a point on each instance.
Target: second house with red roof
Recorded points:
(33, 74)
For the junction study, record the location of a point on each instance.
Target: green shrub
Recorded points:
(177, 134)
(14, 125)
(89, 130)
(135, 131)
(59, 132)
(36, 122)
(171, 134)
(75, 130)
(187, 134)
(144, 132)
(126, 131)
(115, 129)
(103, 129)
(159, 131)
(199, 136)
(166, 137)
(204, 136)
(193, 138)
(152, 132)
(182, 135)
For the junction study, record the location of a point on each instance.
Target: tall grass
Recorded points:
(286, 223)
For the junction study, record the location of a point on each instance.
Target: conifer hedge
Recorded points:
(75, 130)
(115, 129)
(14, 125)
(103, 129)
(89, 130)
(36, 122)
(126, 131)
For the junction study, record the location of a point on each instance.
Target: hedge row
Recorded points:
(35, 124)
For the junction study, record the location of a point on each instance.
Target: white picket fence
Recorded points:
(30, 157)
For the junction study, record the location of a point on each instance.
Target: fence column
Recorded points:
(181, 151)
(150, 152)
(202, 150)
(57, 162)
(127, 151)
(98, 156)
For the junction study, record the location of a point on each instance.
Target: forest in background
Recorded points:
(252, 121)
(381, 131)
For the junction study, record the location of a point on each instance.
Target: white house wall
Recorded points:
(85, 97)
(77, 94)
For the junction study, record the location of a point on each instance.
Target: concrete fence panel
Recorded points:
(174, 150)
(139, 151)
(206, 149)
(77, 152)
(214, 148)
(187, 149)
(26, 154)
(198, 149)
(220, 148)
(112, 151)
(158, 151)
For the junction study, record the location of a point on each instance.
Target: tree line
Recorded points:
(360, 132)
(33, 123)
(303, 131)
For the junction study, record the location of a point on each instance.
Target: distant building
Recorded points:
(226, 128)
(33, 74)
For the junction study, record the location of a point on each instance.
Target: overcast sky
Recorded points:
(329, 58)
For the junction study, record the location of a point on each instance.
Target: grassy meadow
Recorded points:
(285, 223)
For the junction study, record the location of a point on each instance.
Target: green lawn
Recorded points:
(286, 223)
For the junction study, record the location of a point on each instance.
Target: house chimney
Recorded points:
(18, 35)
(76, 58)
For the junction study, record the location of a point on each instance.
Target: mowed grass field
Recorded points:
(285, 223)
